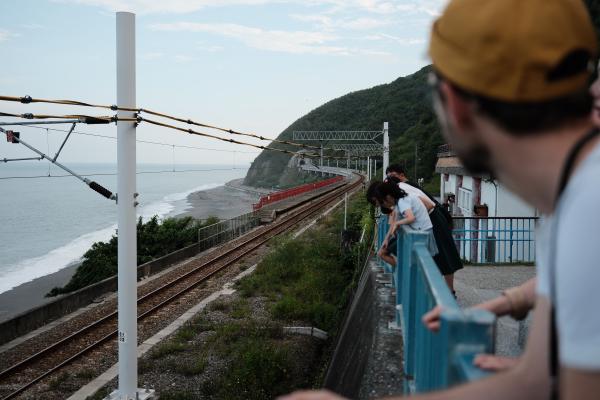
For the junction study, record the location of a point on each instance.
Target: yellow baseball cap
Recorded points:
(515, 50)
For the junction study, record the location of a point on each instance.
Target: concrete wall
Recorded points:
(65, 304)
(355, 341)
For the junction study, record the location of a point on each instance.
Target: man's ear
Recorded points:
(459, 110)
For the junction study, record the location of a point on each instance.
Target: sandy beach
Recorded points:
(227, 201)
(31, 294)
(224, 202)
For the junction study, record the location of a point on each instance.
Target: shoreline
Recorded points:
(32, 294)
(226, 201)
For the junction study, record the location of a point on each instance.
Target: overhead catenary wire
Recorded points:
(85, 119)
(233, 132)
(115, 174)
(29, 99)
(145, 141)
(141, 119)
(194, 132)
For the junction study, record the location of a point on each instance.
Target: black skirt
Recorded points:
(447, 259)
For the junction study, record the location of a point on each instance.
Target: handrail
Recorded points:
(434, 360)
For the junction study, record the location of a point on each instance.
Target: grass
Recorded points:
(86, 374)
(259, 370)
(220, 305)
(99, 395)
(177, 395)
(191, 367)
(305, 278)
(166, 348)
(240, 309)
(305, 281)
(186, 333)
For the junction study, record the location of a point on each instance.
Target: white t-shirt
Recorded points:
(415, 191)
(577, 266)
(412, 202)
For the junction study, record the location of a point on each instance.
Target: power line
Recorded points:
(29, 99)
(193, 132)
(233, 132)
(145, 141)
(85, 119)
(140, 119)
(115, 174)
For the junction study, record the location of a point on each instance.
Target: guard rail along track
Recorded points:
(31, 369)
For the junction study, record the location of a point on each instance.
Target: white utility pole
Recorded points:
(386, 147)
(127, 239)
(321, 154)
(368, 168)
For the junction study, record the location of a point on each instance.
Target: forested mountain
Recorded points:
(404, 103)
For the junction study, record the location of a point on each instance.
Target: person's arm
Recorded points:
(427, 203)
(579, 384)
(408, 218)
(516, 301)
(528, 380)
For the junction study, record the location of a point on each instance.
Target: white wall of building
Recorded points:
(488, 196)
(502, 240)
(509, 205)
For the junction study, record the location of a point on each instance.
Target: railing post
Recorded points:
(406, 295)
(464, 334)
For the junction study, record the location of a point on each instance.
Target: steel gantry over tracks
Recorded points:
(359, 143)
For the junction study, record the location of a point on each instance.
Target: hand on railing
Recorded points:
(494, 363)
(431, 320)
(498, 306)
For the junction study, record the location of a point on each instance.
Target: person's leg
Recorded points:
(389, 258)
(450, 281)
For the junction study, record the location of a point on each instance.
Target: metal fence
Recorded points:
(495, 240)
(433, 360)
(226, 230)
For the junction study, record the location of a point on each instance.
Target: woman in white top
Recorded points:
(448, 259)
(410, 211)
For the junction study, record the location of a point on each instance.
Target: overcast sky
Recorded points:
(249, 65)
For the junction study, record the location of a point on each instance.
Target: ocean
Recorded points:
(48, 223)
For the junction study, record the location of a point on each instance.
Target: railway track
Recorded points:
(25, 373)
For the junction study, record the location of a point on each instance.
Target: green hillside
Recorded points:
(404, 103)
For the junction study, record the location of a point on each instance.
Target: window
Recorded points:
(465, 201)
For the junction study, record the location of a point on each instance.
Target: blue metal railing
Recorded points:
(442, 359)
(495, 240)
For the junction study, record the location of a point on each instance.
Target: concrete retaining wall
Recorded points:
(349, 361)
(65, 304)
